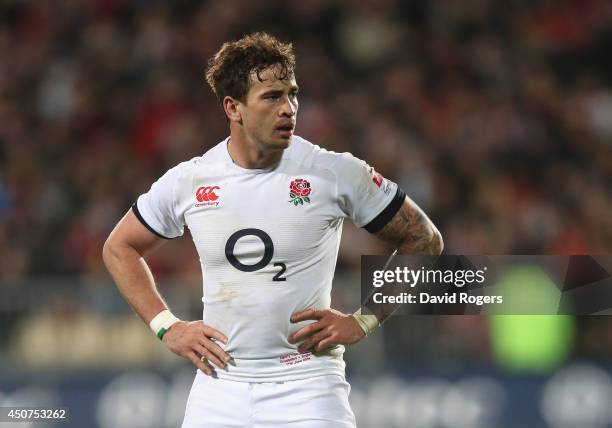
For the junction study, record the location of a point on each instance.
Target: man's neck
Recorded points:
(250, 154)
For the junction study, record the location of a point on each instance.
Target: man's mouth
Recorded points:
(285, 130)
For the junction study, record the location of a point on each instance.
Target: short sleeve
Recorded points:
(364, 195)
(157, 209)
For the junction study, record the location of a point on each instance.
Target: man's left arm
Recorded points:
(411, 232)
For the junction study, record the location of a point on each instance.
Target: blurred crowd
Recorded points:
(495, 117)
(498, 121)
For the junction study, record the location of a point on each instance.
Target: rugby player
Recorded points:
(265, 209)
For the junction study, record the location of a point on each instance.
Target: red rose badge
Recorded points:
(299, 190)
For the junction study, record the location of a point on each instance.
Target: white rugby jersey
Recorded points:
(268, 242)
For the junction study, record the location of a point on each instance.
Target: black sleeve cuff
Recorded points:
(144, 223)
(387, 214)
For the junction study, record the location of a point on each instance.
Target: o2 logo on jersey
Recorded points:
(267, 256)
(206, 196)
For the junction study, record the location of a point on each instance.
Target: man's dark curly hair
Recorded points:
(229, 70)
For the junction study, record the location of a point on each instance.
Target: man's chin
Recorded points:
(282, 142)
(276, 143)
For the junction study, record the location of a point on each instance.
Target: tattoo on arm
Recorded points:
(411, 231)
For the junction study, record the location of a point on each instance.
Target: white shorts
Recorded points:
(316, 402)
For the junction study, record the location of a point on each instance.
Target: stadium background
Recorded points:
(496, 117)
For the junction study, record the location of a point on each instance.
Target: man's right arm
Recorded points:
(123, 255)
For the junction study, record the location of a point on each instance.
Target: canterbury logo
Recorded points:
(207, 194)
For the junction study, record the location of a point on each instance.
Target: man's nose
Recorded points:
(288, 108)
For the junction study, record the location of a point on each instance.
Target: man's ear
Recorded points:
(230, 106)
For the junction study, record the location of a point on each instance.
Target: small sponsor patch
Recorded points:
(207, 204)
(386, 187)
(377, 178)
(294, 358)
(206, 196)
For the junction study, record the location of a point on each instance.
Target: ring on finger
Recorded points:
(204, 359)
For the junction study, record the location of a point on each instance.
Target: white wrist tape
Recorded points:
(162, 322)
(368, 323)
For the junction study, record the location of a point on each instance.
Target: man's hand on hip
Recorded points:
(196, 342)
(330, 329)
